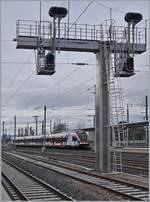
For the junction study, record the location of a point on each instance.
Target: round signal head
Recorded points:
(133, 17)
(57, 12)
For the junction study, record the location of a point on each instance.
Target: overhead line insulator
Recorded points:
(79, 63)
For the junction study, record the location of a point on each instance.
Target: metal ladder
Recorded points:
(116, 98)
(116, 111)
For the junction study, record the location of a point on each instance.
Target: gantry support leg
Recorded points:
(102, 115)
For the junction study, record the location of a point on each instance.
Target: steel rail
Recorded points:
(13, 191)
(127, 164)
(86, 172)
(50, 188)
(109, 184)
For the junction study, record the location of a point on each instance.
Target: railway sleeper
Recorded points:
(46, 197)
(35, 191)
(40, 194)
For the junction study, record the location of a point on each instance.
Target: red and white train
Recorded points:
(76, 139)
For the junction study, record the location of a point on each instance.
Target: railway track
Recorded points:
(135, 166)
(23, 186)
(127, 190)
(11, 188)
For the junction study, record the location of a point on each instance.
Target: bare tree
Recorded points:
(60, 127)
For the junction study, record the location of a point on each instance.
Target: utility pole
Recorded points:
(50, 126)
(36, 124)
(14, 129)
(27, 128)
(146, 118)
(54, 127)
(44, 127)
(94, 118)
(3, 128)
(68, 17)
(4, 132)
(127, 113)
(146, 108)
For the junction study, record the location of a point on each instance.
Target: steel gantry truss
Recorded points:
(106, 41)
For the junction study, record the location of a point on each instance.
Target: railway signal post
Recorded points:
(89, 38)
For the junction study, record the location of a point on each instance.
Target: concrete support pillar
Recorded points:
(102, 115)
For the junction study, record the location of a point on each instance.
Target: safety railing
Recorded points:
(33, 28)
(79, 31)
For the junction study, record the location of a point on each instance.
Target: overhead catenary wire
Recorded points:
(55, 84)
(31, 123)
(92, 79)
(67, 91)
(65, 77)
(13, 94)
(59, 63)
(18, 72)
(119, 11)
(70, 74)
(73, 100)
(55, 97)
(87, 97)
(81, 14)
(62, 4)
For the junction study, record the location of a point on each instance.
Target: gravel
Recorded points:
(73, 188)
(133, 163)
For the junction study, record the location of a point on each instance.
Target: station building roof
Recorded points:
(140, 123)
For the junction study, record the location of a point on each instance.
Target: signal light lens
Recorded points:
(129, 65)
(50, 63)
(133, 17)
(57, 12)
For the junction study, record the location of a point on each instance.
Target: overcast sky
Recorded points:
(68, 94)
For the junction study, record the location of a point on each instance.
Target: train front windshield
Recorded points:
(82, 135)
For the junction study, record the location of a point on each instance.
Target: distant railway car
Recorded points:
(62, 140)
